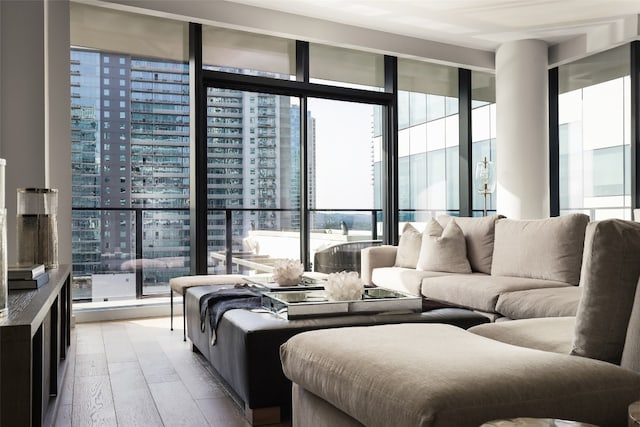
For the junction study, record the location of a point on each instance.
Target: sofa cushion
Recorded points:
(408, 247)
(440, 375)
(548, 334)
(545, 302)
(401, 279)
(478, 291)
(479, 235)
(610, 272)
(443, 249)
(549, 249)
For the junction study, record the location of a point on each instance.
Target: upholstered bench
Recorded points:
(246, 352)
(181, 284)
(437, 375)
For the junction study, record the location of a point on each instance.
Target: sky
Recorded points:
(344, 134)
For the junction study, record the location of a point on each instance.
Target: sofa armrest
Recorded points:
(376, 257)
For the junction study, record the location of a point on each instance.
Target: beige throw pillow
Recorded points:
(479, 234)
(443, 250)
(408, 247)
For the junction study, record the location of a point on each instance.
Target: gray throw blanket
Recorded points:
(221, 300)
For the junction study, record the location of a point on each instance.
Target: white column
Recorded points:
(35, 134)
(522, 129)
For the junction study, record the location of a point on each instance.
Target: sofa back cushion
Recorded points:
(408, 247)
(479, 235)
(549, 249)
(443, 249)
(610, 271)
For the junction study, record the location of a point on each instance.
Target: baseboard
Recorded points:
(126, 311)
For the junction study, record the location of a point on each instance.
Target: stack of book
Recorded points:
(27, 276)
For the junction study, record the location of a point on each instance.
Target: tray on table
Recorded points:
(301, 303)
(309, 280)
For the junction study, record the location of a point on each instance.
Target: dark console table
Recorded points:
(34, 341)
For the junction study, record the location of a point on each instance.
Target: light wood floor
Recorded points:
(139, 373)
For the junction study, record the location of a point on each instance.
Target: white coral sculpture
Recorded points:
(287, 272)
(344, 286)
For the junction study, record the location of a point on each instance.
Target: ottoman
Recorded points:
(181, 284)
(246, 353)
(421, 375)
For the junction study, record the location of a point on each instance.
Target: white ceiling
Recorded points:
(480, 24)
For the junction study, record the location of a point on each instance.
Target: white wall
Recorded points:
(34, 107)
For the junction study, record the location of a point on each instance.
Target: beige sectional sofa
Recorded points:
(584, 368)
(515, 269)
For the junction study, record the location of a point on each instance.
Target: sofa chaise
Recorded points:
(515, 269)
(584, 367)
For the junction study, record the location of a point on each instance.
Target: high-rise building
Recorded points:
(159, 158)
(249, 153)
(130, 118)
(295, 196)
(86, 184)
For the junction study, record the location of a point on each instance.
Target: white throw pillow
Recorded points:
(408, 247)
(443, 250)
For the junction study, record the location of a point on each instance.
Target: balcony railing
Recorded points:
(127, 253)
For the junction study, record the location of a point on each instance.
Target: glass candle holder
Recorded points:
(37, 226)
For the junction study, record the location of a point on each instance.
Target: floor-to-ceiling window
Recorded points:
(130, 154)
(428, 140)
(255, 142)
(594, 135)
